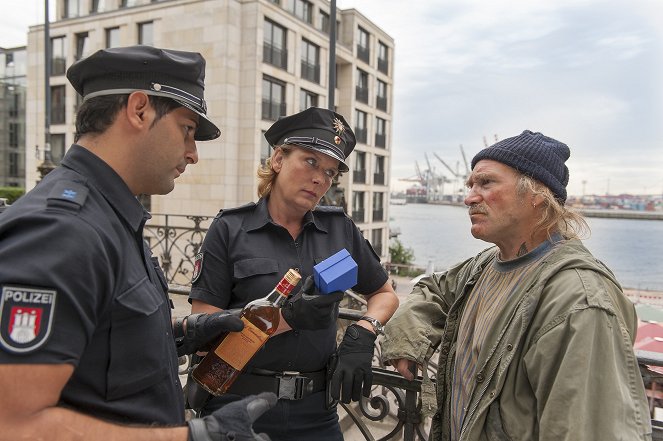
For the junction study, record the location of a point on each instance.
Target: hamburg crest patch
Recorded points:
(26, 317)
(197, 267)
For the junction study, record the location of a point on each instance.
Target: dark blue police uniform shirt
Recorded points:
(79, 234)
(245, 254)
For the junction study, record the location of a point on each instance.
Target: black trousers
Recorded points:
(292, 420)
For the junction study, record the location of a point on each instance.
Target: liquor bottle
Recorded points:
(223, 364)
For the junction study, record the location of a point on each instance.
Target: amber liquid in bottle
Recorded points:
(222, 365)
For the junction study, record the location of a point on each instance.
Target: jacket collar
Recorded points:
(108, 183)
(260, 218)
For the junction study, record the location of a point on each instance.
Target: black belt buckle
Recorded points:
(293, 386)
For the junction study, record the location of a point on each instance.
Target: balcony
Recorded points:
(383, 66)
(272, 111)
(359, 176)
(358, 216)
(381, 103)
(311, 72)
(58, 66)
(364, 54)
(391, 412)
(378, 178)
(378, 215)
(362, 94)
(361, 135)
(275, 56)
(380, 140)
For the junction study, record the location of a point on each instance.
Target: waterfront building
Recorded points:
(12, 116)
(265, 59)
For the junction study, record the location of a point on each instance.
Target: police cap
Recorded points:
(317, 129)
(178, 75)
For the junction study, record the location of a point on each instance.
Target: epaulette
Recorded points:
(331, 209)
(68, 195)
(245, 207)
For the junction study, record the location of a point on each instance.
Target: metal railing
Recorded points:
(392, 411)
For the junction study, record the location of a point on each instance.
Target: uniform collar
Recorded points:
(260, 218)
(109, 183)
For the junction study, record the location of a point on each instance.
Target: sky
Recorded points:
(585, 72)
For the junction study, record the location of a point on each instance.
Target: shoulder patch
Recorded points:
(26, 317)
(68, 194)
(245, 207)
(197, 266)
(331, 209)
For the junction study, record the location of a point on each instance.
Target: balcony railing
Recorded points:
(391, 412)
(272, 111)
(359, 176)
(378, 215)
(378, 178)
(358, 216)
(381, 102)
(383, 66)
(311, 72)
(363, 53)
(275, 56)
(380, 140)
(361, 135)
(362, 94)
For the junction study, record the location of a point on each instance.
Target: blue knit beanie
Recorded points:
(535, 155)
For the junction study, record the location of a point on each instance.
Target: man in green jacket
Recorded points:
(535, 334)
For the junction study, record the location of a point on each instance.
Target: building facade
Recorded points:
(265, 59)
(12, 116)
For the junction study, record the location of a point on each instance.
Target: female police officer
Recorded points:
(248, 249)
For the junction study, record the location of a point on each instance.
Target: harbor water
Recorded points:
(440, 234)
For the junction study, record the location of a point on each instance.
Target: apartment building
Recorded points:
(265, 59)
(12, 116)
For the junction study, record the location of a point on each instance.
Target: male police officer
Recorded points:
(86, 338)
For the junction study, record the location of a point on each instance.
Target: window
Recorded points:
(265, 149)
(376, 241)
(359, 171)
(146, 33)
(14, 129)
(13, 164)
(381, 96)
(378, 175)
(274, 49)
(307, 99)
(15, 101)
(360, 126)
(383, 58)
(128, 3)
(100, 5)
(362, 86)
(112, 37)
(82, 45)
(363, 51)
(57, 105)
(57, 147)
(58, 56)
(310, 61)
(323, 22)
(273, 98)
(358, 206)
(380, 132)
(73, 8)
(302, 9)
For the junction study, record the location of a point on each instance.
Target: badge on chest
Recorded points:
(26, 317)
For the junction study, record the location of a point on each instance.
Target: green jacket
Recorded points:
(559, 365)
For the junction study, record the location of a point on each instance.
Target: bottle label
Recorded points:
(238, 347)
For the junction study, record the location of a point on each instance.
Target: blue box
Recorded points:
(335, 273)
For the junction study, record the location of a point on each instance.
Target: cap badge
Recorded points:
(156, 86)
(339, 127)
(337, 140)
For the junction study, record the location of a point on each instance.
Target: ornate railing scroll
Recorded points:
(175, 240)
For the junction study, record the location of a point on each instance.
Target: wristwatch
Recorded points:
(377, 326)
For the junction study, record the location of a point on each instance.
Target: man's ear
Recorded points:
(139, 111)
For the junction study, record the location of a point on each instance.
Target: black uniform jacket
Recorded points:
(245, 254)
(76, 238)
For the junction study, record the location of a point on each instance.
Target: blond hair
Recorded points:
(556, 217)
(267, 175)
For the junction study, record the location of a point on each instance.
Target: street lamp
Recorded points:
(47, 165)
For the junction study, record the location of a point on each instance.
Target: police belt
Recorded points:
(287, 385)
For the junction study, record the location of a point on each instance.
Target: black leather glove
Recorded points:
(202, 330)
(353, 373)
(234, 421)
(308, 309)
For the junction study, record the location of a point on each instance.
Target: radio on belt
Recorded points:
(336, 273)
